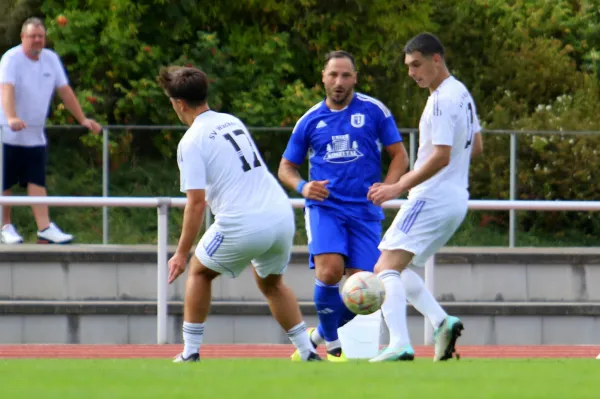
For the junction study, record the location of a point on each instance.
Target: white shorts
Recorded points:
(423, 226)
(230, 252)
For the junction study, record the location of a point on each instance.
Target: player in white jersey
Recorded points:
(437, 200)
(221, 167)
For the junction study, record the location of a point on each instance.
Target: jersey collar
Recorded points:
(340, 110)
(448, 79)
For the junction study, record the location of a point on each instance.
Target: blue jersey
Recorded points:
(344, 147)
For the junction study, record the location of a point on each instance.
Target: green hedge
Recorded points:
(530, 64)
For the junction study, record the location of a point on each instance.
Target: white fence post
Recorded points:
(430, 285)
(162, 273)
(105, 172)
(512, 217)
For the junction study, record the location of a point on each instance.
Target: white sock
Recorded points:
(394, 308)
(192, 338)
(316, 337)
(421, 298)
(300, 339)
(333, 344)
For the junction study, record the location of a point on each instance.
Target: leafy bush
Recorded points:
(530, 64)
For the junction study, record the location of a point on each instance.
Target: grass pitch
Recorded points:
(271, 379)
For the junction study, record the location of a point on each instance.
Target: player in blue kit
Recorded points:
(343, 137)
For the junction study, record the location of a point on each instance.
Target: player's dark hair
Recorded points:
(339, 54)
(32, 21)
(184, 83)
(425, 43)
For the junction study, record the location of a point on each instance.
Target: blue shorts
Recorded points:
(331, 231)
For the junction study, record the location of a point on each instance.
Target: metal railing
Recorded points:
(412, 145)
(163, 204)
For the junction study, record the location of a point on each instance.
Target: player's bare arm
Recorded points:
(398, 163)
(8, 105)
(380, 193)
(289, 174)
(477, 145)
(193, 216)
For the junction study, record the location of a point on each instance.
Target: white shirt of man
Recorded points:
(449, 118)
(217, 154)
(34, 82)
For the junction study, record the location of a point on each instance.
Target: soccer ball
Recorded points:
(363, 293)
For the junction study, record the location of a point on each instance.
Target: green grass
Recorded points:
(274, 379)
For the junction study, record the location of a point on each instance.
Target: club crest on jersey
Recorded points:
(357, 120)
(340, 150)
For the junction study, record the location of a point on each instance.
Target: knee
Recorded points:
(393, 260)
(330, 271)
(198, 270)
(270, 285)
(381, 266)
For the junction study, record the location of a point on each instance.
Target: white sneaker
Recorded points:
(194, 357)
(394, 354)
(54, 235)
(9, 235)
(445, 337)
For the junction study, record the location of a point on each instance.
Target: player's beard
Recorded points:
(35, 52)
(339, 98)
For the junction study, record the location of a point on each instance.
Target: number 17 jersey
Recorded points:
(217, 154)
(449, 118)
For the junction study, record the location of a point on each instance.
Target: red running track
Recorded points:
(270, 351)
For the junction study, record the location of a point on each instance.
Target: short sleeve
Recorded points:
(443, 121)
(298, 143)
(8, 70)
(387, 130)
(192, 168)
(61, 74)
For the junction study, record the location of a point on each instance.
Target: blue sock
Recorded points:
(328, 304)
(346, 316)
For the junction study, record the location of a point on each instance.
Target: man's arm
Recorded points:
(380, 193)
(289, 174)
(398, 163)
(293, 156)
(8, 79)
(477, 145)
(193, 217)
(192, 170)
(72, 104)
(8, 105)
(478, 139)
(8, 100)
(290, 177)
(442, 138)
(436, 162)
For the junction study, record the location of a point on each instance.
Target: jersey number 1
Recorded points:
(469, 125)
(245, 165)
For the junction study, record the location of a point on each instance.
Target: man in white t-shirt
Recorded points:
(29, 75)
(437, 200)
(221, 167)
